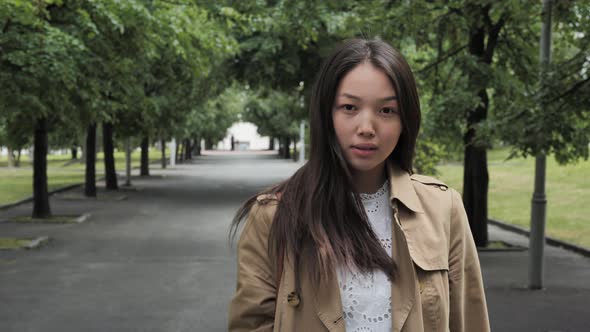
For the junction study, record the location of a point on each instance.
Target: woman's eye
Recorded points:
(348, 107)
(388, 110)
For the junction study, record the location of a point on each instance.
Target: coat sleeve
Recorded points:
(468, 309)
(253, 306)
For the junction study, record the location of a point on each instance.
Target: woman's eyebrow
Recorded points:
(359, 98)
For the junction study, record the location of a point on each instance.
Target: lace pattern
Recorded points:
(366, 298)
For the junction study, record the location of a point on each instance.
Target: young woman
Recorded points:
(354, 240)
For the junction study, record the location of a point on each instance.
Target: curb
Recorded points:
(82, 218)
(37, 242)
(549, 240)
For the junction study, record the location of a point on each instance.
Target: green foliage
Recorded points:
(553, 116)
(141, 65)
(159, 67)
(38, 63)
(276, 113)
(428, 155)
(212, 119)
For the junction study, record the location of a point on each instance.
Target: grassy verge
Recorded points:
(13, 243)
(16, 183)
(511, 187)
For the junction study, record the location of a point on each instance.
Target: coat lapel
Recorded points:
(402, 189)
(403, 288)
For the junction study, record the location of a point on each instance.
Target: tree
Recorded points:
(277, 114)
(37, 67)
(211, 120)
(474, 61)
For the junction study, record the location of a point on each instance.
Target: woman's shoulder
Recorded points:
(428, 182)
(434, 191)
(262, 211)
(264, 199)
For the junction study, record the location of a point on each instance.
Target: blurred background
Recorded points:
(97, 97)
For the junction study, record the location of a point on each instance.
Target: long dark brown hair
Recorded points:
(320, 219)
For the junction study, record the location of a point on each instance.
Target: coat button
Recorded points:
(293, 299)
(443, 188)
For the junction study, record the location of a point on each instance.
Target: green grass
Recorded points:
(511, 188)
(17, 183)
(13, 243)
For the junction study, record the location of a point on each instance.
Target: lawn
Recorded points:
(511, 188)
(16, 183)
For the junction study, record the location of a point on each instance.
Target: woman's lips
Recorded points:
(364, 150)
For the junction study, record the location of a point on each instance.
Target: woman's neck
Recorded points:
(369, 181)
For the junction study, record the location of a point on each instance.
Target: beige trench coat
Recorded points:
(439, 287)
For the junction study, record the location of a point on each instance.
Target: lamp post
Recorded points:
(539, 201)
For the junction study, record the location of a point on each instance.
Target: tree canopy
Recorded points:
(188, 69)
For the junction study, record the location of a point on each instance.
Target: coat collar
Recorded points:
(402, 189)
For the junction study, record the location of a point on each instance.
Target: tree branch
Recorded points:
(571, 90)
(442, 59)
(494, 31)
(6, 25)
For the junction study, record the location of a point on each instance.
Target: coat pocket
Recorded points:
(434, 297)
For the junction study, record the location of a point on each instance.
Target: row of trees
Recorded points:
(160, 69)
(476, 63)
(139, 69)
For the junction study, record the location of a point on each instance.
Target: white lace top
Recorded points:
(366, 298)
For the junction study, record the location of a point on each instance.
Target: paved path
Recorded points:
(160, 260)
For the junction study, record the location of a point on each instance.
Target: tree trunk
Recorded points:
(128, 162)
(287, 148)
(181, 151)
(41, 207)
(271, 143)
(145, 158)
(10, 156)
(294, 149)
(177, 153)
(74, 153)
(208, 143)
(109, 156)
(187, 149)
(163, 148)
(475, 190)
(18, 155)
(90, 156)
(475, 169)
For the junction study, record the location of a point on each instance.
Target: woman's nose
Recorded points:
(366, 126)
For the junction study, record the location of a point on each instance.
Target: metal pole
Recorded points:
(539, 201)
(173, 152)
(302, 142)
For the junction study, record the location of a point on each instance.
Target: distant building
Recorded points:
(246, 137)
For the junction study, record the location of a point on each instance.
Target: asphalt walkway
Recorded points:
(159, 260)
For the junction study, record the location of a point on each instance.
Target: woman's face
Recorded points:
(366, 118)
